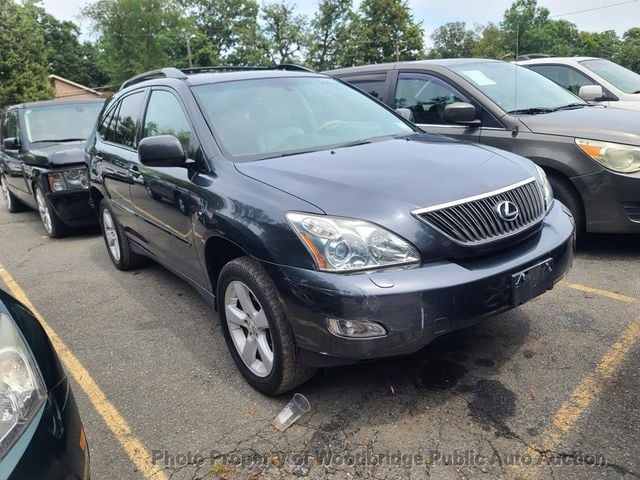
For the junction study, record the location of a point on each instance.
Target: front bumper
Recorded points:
(55, 446)
(611, 201)
(424, 302)
(73, 208)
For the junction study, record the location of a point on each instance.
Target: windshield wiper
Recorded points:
(60, 140)
(531, 111)
(572, 106)
(637, 91)
(364, 141)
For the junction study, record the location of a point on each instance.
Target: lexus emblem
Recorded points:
(507, 211)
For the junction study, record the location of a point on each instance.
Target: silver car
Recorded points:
(594, 79)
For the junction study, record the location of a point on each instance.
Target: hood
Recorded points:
(595, 123)
(56, 154)
(385, 180)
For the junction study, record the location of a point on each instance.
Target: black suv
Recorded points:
(324, 227)
(42, 161)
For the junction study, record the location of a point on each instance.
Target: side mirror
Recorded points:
(590, 92)
(11, 143)
(405, 113)
(161, 151)
(462, 113)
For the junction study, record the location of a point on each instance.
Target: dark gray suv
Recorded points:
(591, 154)
(324, 227)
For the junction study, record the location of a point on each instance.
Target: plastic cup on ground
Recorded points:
(296, 407)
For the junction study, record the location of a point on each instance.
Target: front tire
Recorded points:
(566, 193)
(257, 330)
(11, 203)
(115, 238)
(54, 227)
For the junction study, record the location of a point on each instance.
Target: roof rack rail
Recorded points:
(531, 56)
(239, 68)
(171, 72)
(168, 72)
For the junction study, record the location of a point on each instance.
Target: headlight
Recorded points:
(614, 156)
(75, 179)
(342, 244)
(22, 390)
(547, 191)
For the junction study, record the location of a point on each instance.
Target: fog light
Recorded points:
(354, 328)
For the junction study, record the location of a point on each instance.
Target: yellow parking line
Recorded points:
(602, 293)
(134, 448)
(584, 394)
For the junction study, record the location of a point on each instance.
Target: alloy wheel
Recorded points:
(43, 210)
(6, 196)
(249, 328)
(111, 234)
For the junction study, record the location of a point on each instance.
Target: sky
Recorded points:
(433, 13)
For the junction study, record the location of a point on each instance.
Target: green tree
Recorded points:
(629, 55)
(23, 72)
(599, 44)
(453, 40)
(225, 30)
(528, 29)
(521, 24)
(491, 43)
(134, 35)
(284, 33)
(386, 30)
(330, 34)
(66, 56)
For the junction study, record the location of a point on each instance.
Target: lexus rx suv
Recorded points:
(324, 227)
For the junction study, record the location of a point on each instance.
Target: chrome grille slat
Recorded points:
(476, 220)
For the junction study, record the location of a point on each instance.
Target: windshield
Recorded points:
(618, 76)
(64, 122)
(497, 80)
(275, 116)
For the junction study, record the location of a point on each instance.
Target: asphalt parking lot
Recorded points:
(548, 391)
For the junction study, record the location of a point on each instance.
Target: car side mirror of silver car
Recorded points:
(462, 113)
(406, 113)
(590, 93)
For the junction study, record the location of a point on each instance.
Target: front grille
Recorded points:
(475, 220)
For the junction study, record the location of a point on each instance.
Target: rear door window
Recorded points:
(374, 85)
(128, 120)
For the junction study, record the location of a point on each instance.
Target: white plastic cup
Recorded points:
(296, 407)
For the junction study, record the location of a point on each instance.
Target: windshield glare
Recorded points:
(497, 80)
(269, 117)
(54, 123)
(618, 76)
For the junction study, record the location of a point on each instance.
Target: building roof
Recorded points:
(74, 84)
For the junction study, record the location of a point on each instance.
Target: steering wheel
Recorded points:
(329, 124)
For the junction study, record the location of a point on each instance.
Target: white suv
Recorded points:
(593, 79)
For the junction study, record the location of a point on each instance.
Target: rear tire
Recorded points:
(11, 203)
(271, 331)
(116, 240)
(567, 194)
(54, 227)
